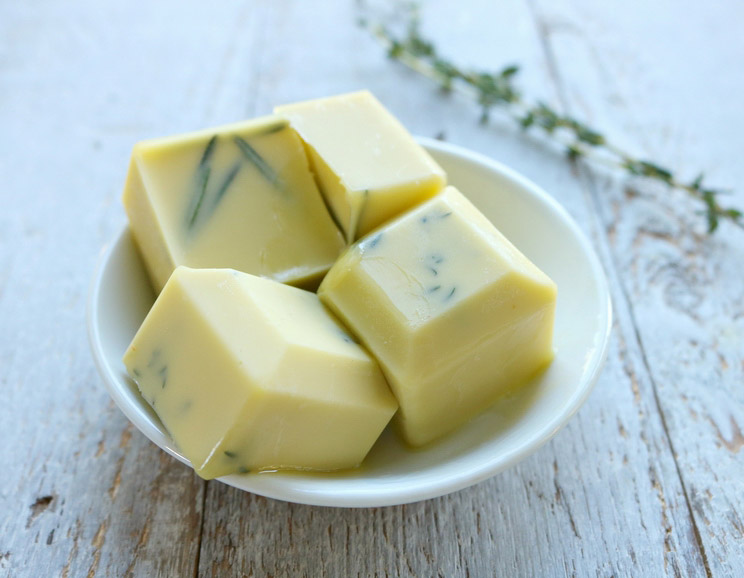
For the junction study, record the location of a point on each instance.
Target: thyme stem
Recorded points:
(497, 89)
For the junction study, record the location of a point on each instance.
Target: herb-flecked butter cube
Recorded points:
(453, 312)
(368, 166)
(248, 374)
(238, 196)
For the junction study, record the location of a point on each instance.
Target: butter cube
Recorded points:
(249, 374)
(453, 312)
(367, 164)
(238, 196)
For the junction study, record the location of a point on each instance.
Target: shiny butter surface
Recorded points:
(238, 196)
(368, 166)
(248, 374)
(453, 312)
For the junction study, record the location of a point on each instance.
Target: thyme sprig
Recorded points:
(493, 90)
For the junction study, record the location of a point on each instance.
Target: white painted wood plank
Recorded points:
(81, 493)
(678, 101)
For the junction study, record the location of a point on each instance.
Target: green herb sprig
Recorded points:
(493, 90)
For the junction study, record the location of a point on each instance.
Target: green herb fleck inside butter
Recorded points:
(453, 312)
(240, 196)
(248, 374)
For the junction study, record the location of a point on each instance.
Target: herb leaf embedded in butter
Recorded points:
(225, 184)
(257, 160)
(275, 127)
(373, 242)
(435, 217)
(204, 172)
(202, 179)
(163, 376)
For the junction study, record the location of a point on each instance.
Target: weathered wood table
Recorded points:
(648, 478)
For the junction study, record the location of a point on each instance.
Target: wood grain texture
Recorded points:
(81, 493)
(684, 291)
(647, 480)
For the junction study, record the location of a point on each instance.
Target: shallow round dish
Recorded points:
(393, 474)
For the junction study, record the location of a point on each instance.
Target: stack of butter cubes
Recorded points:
(316, 279)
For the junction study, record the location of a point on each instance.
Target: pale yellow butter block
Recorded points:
(239, 196)
(249, 374)
(368, 166)
(453, 312)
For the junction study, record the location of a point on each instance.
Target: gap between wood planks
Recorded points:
(601, 237)
(205, 488)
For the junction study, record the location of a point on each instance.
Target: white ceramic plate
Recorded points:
(393, 474)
